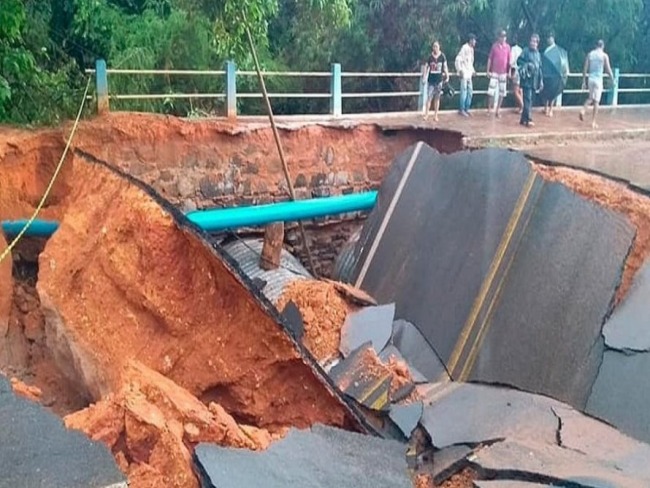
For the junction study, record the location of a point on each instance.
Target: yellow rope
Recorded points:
(10, 247)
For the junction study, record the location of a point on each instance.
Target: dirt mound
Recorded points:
(151, 426)
(122, 279)
(617, 197)
(323, 312)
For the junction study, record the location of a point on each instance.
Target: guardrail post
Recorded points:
(422, 101)
(231, 89)
(336, 100)
(614, 92)
(101, 86)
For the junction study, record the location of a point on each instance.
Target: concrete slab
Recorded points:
(322, 457)
(406, 417)
(362, 379)
(544, 332)
(621, 392)
(37, 450)
(470, 414)
(374, 324)
(532, 462)
(600, 441)
(629, 327)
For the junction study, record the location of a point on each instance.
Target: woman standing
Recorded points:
(435, 74)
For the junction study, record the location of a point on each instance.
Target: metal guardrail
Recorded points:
(335, 94)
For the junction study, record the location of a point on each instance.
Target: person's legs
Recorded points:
(463, 95)
(436, 102)
(502, 85)
(427, 106)
(493, 91)
(519, 96)
(596, 93)
(528, 102)
(470, 95)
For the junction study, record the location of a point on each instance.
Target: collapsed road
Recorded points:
(191, 359)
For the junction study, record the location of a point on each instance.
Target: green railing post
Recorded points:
(101, 86)
(231, 89)
(424, 94)
(336, 100)
(614, 92)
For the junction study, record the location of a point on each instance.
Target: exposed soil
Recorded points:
(140, 286)
(617, 197)
(32, 393)
(464, 479)
(151, 426)
(6, 290)
(323, 312)
(24, 351)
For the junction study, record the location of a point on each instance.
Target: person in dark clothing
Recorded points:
(529, 65)
(435, 75)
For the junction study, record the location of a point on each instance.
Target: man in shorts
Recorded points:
(596, 62)
(498, 67)
(435, 74)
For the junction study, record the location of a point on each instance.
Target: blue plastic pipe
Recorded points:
(218, 219)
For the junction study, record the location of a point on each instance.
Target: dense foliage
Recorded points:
(45, 45)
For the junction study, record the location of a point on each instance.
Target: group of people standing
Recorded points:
(523, 68)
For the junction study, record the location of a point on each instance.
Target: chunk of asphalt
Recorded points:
(463, 413)
(293, 317)
(416, 350)
(551, 464)
(600, 441)
(406, 417)
(391, 350)
(508, 484)
(365, 381)
(372, 324)
(37, 450)
(322, 457)
(629, 326)
(621, 392)
(449, 461)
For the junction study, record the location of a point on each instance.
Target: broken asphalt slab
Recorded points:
(417, 352)
(374, 324)
(628, 329)
(364, 378)
(456, 413)
(600, 441)
(550, 464)
(449, 461)
(322, 457)
(509, 484)
(512, 278)
(37, 450)
(621, 393)
(406, 417)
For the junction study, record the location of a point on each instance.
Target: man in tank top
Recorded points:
(596, 63)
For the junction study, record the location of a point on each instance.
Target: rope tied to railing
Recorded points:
(50, 185)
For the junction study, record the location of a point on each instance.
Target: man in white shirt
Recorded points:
(465, 68)
(596, 63)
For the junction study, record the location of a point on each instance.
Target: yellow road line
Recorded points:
(485, 324)
(494, 267)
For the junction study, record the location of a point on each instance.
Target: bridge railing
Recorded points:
(229, 76)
